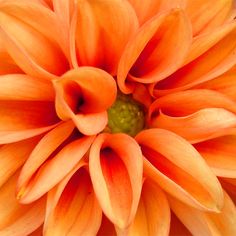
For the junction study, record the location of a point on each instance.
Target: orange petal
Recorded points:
(207, 15)
(151, 8)
(77, 211)
(203, 223)
(220, 155)
(54, 170)
(23, 87)
(147, 58)
(229, 185)
(153, 215)
(106, 228)
(42, 57)
(84, 95)
(116, 174)
(211, 55)
(13, 156)
(17, 219)
(103, 29)
(170, 161)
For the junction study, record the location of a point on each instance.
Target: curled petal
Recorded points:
(170, 161)
(103, 29)
(153, 215)
(116, 174)
(15, 217)
(52, 171)
(207, 15)
(146, 57)
(220, 155)
(75, 208)
(222, 223)
(211, 55)
(84, 95)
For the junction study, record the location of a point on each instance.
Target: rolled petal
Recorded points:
(103, 29)
(146, 57)
(153, 215)
(13, 156)
(84, 95)
(76, 210)
(25, 88)
(116, 174)
(203, 223)
(17, 219)
(220, 155)
(151, 8)
(208, 15)
(19, 25)
(211, 55)
(170, 161)
(52, 171)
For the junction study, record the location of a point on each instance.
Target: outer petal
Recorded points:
(170, 161)
(153, 215)
(84, 95)
(202, 223)
(220, 155)
(76, 210)
(53, 170)
(103, 29)
(16, 219)
(116, 174)
(42, 55)
(211, 55)
(207, 15)
(147, 58)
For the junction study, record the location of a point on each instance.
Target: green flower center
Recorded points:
(126, 116)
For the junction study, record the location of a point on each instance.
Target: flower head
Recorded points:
(117, 117)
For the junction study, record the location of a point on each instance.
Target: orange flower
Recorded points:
(117, 117)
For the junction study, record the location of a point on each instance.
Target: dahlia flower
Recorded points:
(117, 117)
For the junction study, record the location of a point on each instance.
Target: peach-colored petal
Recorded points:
(146, 58)
(170, 161)
(220, 155)
(77, 211)
(116, 174)
(153, 215)
(213, 54)
(103, 29)
(23, 87)
(53, 170)
(41, 57)
(206, 15)
(152, 8)
(83, 95)
(207, 224)
(13, 156)
(17, 219)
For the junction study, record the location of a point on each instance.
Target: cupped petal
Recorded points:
(170, 160)
(103, 29)
(204, 223)
(17, 219)
(156, 51)
(220, 154)
(116, 174)
(84, 95)
(13, 156)
(25, 88)
(52, 170)
(208, 15)
(41, 57)
(153, 215)
(211, 55)
(76, 210)
(151, 8)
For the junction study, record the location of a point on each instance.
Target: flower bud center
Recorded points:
(126, 116)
